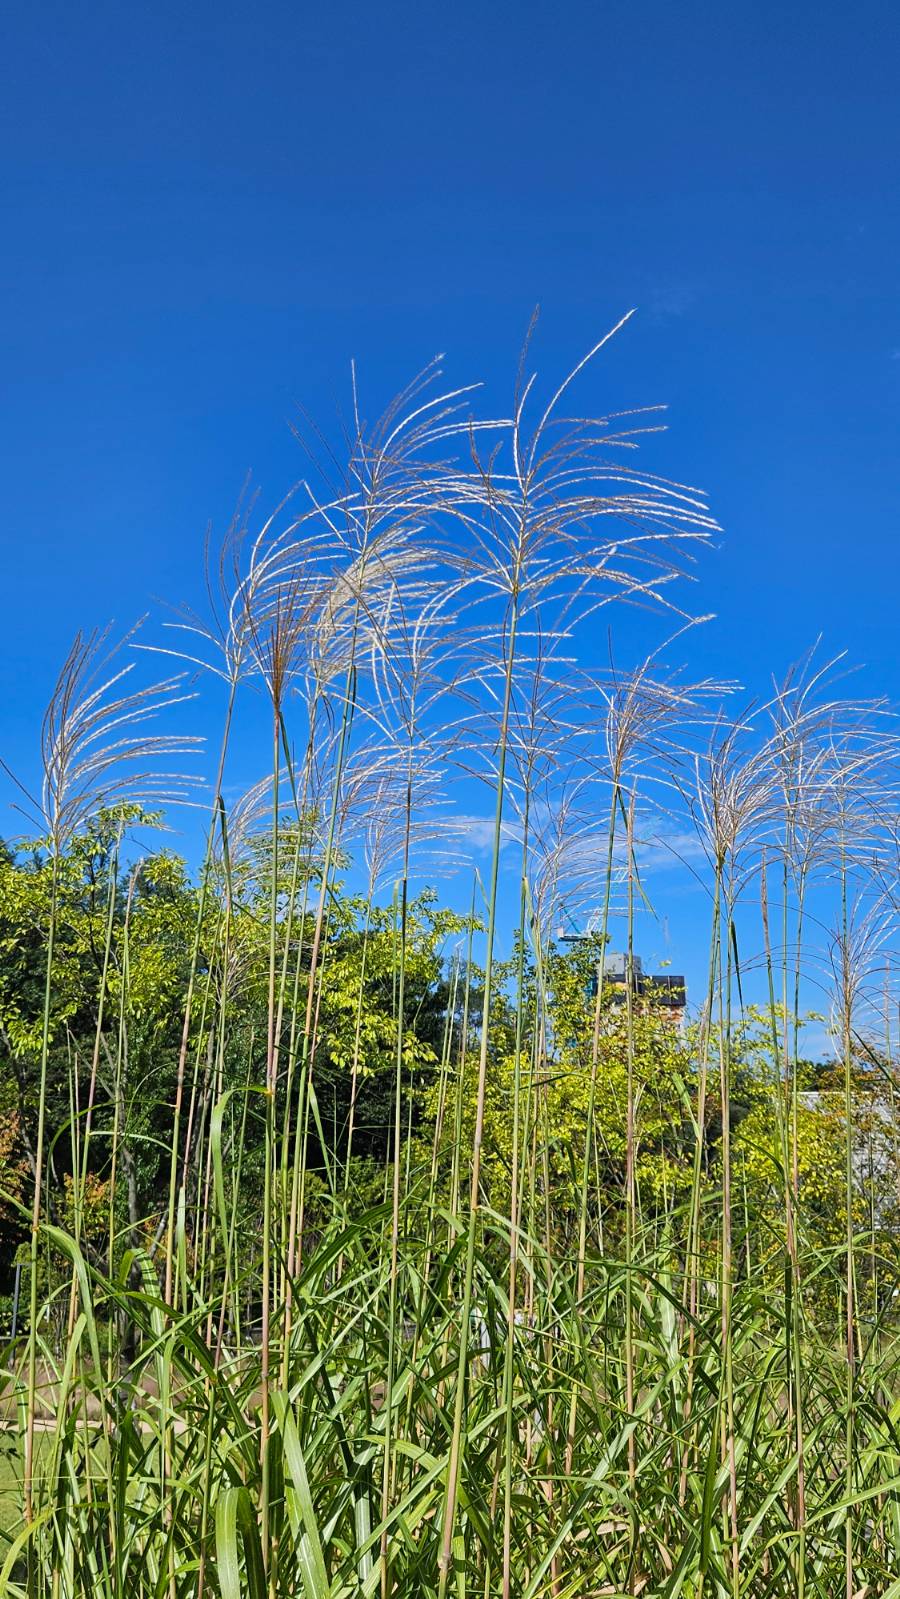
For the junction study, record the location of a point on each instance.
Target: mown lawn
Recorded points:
(10, 1483)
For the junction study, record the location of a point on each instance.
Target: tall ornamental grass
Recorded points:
(517, 1358)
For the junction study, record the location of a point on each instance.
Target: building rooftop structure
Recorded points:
(665, 992)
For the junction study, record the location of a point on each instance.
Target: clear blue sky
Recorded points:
(210, 209)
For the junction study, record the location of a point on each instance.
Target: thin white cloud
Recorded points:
(478, 832)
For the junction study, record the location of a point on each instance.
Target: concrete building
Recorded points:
(664, 993)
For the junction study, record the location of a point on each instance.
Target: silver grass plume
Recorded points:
(94, 750)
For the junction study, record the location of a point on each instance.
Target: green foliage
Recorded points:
(556, 1069)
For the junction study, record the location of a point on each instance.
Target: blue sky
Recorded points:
(210, 209)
